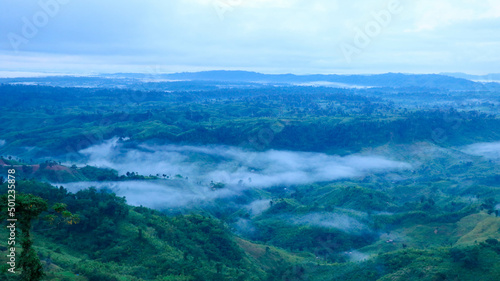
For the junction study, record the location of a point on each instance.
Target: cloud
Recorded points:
(343, 221)
(238, 169)
(235, 166)
(261, 35)
(244, 227)
(330, 220)
(258, 207)
(162, 195)
(357, 256)
(488, 150)
(430, 15)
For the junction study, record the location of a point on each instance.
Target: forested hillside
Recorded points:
(236, 180)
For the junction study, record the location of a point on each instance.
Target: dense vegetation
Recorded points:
(437, 220)
(112, 241)
(297, 118)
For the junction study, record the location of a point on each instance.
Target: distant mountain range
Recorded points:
(392, 80)
(445, 81)
(487, 77)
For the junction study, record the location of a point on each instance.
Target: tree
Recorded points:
(469, 256)
(28, 208)
(58, 214)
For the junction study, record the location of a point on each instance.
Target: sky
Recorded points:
(268, 36)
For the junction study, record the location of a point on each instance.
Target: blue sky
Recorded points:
(270, 36)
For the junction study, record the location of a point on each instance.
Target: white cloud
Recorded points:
(263, 35)
(159, 194)
(235, 167)
(258, 207)
(330, 220)
(432, 14)
(232, 165)
(488, 150)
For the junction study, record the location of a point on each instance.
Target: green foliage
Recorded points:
(27, 208)
(218, 245)
(468, 257)
(446, 201)
(135, 242)
(97, 174)
(317, 119)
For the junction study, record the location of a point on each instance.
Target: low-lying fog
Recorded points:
(489, 150)
(191, 169)
(187, 173)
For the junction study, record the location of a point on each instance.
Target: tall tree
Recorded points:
(29, 207)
